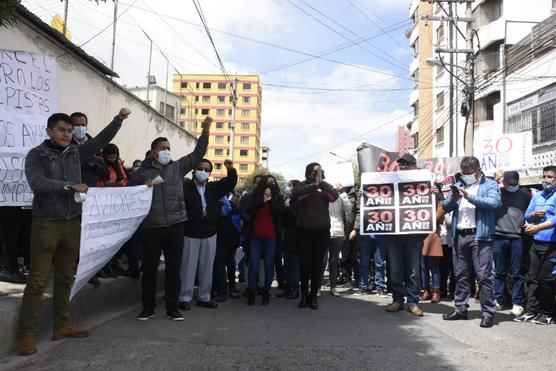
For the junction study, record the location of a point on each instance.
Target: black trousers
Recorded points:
(312, 247)
(334, 248)
(541, 282)
(350, 260)
(447, 278)
(155, 241)
(224, 265)
(279, 266)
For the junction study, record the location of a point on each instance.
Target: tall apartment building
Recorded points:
(404, 141)
(496, 26)
(204, 95)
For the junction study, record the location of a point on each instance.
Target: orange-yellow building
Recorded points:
(204, 95)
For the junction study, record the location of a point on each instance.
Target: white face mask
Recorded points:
(79, 132)
(469, 179)
(201, 176)
(288, 191)
(164, 157)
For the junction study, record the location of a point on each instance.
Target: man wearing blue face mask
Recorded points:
(474, 204)
(541, 225)
(508, 241)
(162, 229)
(202, 202)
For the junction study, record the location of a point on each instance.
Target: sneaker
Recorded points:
(526, 317)
(542, 319)
(357, 292)
(369, 291)
(145, 314)
(499, 306)
(334, 292)
(517, 310)
(174, 315)
(382, 293)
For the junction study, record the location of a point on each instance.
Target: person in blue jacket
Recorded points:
(540, 219)
(474, 202)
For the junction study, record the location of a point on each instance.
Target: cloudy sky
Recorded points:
(355, 91)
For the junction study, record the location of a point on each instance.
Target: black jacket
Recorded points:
(276, 207)
(51, 172)
(289, 221)
(199, 225)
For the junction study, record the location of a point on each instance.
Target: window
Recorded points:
(488, 12)
(244, 139)
(182, 123)
(416, 47)
(205, 111)
(229, 112)
(182, 111)
(218, 166)
(221, 85)
(416, 109)
(440, 135)
(219, 139)
(245, 126)
(243, 153)
(246, 86)
(183, 85)
(440, 101)
(244, 113)
(221, 99)
(416, 79)
(206, 99)
(229, 125)
(439, 71)
(248, 99)
(440, 35)
(227, 152)
(197, 85)
(220, 112)
(220, 125)
(207, 85)
(196, 111)
(219, 152)
(231, 99)
(553, 4)
(243, 167)
(196, 98)
(228, 139)
(416, 140)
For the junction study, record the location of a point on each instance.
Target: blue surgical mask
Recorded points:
(287, 191)
(512, 188)
(79, 132)
(164, 157)
(201, 176)
(469, 179)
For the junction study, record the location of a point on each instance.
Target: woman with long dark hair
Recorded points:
(265, 208)
(312, 199)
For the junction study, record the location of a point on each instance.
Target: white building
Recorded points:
(497, 25)
(158, 97)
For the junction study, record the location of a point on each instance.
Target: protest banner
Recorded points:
(341, 173)
(372, 158)
(27, 98)
(397, 203)
(110, 217)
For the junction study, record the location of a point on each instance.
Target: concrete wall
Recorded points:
(82, 88)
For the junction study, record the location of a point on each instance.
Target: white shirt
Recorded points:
(467, 210)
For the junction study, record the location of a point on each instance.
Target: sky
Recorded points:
(356, 91)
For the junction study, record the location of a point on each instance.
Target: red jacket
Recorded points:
(112, 176)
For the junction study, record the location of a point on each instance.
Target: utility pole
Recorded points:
(233, 126)
(451, 45)
(470, 122)
(149, 73)
(64, 26)
(166, 88)
(114, 34)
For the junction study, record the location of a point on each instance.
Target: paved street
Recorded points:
(351, 332)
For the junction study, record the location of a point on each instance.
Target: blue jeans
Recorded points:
(430, 265)
(291, 260)
(404, 265)
(261, 248)
(502, 249)
(370, 245)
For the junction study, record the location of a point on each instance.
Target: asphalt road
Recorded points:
(350, 332)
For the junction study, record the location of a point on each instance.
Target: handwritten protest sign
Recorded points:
(397, 203)
(27, 99)
(504, 152)
(110, 217)
(341, 173)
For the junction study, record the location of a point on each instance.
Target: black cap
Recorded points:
(511, 175)
(408, 158)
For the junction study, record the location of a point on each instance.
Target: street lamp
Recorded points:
(340, 157)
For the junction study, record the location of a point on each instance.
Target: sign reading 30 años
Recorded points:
(399, 202)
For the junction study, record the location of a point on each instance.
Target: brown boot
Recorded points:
(69, 331)
(435, 296)
(27, 346)
(394, 307)
(415, 310)
(425, 295)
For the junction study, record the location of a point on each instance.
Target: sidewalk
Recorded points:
(114, 295)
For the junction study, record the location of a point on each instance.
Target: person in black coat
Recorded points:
(265, 208)
(291, 256)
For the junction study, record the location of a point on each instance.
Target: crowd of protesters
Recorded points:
(495, 241)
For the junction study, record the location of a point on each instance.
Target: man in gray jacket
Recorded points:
(162, 230)
(53, 170)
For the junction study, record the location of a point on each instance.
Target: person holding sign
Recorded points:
(540, 220)
(162, 230)
(53, 171)
(474, 204)
(312, 198)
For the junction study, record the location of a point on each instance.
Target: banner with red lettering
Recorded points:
(398, 202)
